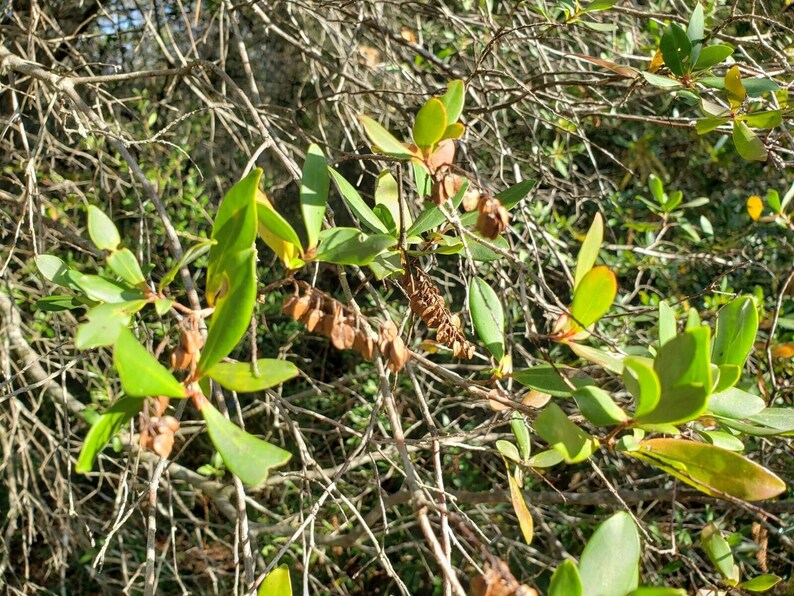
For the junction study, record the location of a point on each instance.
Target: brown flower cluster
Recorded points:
(427, 303)
(157, 432)
(329, 317)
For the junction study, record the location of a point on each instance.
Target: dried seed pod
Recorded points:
(328, 326)
(364, 345)
(170, 423)
(443, 155)
(180, 359)
(313, 319)
(349, 335)
(493, 218)
(398, 354)
(337, 336)
(163, 444)
(471, 199)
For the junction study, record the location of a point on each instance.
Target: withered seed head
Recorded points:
(493, 218)
(313, 319)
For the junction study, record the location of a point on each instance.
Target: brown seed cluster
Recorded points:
(157, 431)
(493, 217)
(427, 303)
(329, 317)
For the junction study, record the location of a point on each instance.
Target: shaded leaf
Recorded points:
(610, 562)
(357, 205)
(273, 222)
(244, 455)
(659, 80)
(125, 265)
(488, 316)
(105, 322)
(350, 246)
(241, 377)
(314, 193)
(191, 254)
(554, 427)
(102, 289)
(102, 230)
(598, 406)
(676, 49)
(747, 143)
(735, 403)
(719, 552)
(521, 433)
(55, 270)
(734, 335)
(105, 427)
(140, 373)
(552, 380)
(510, 451)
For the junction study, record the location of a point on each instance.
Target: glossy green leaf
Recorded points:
(488, 316)
(481, 253)
(781, 419)
(546, 459)
(357, 205)
(430, 124)
(773, 199)
(276, 583)
(610, 562)
(667, 323)
(760, 583)
(125, 265)
(610, 361)
(163, 305)
(588, 253)
(510, 197)
(453, 131)
(383, 140)
(386, 264)
(747, 143)
(55, 270)
(191, 254)
(234, 233)
(598, 407)
(722, 439)
(102, 230)
(105, 322)
(737, 326)
(387, 195)
(735, 403)
(350, 246)
(522, 511)
(314, 192)
(453, 100)
(694, 30)
(275, 223)
(692, 319)
(643, 384)
(58, 303)
(727, 376)
(593, 296)
(241, 376)
(719, 552)
(102, 289)
(140, 373)
(554, 427)
(233, 309)
(706, 125)
(244, 455)
(660, 81)
(710, 469)
(521, 433)
(676, 49)
(552, 380)
(432, 216)
(712, 55)
(566, 581)
(657, 591)
(105, 427)
(765, 120)
(510, 451)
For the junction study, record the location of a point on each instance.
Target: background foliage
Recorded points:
(152, 111)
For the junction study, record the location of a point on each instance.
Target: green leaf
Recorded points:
(510, 451)
(241, 377)
(234, 233)
(277, 583)
(694, 30)
(657, 591)
(102, 289)
(722, 439)
(760, 583)
(521, 509)
(350, 246)
(191, 254)
(566, 581)
(125, 265)
(244, 455)
(357, 205)
(105, 427)
(314, 193)
(711, 470)
(481, 253)
(781, 419)
(756, 86)
(521, 433)
(488, 316)
(552, 380)
(667, 324)
(58, 303)
(554, 427)
(102, 230)
(660, 81)
(383, 140)
(747, 143)
(609, 565)
(512, 196)
(433, 217)
(588, 253)
(598, 406)
(727, 376)
(706, 125)
(385, 265)
(684, 372)
(387, 195)
(275, 223)
(734, 87)
(765, 120)
(233, 309)
(643, 384)
(773, 199)
(546, 459)
(712, 55)
(676, 49)
(719, 552)
(140, 373)
(593, 296)
(55, 270)
(430, 124)
(453, 131)
(737, 325)
(453, 100)
(610, 361)
(598, 5)
(735, 403)
(105, 322)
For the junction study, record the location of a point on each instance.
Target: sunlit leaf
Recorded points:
(667, 323)
(735, 403)
(609, 360)
(659, 80)
(598, 407)
(241, 376)
(521, 509)
(566, 581)
(510, 451)
(55, 270)
(760, 583)
(105, 322)
(588, 253)
(244, 455)
(521, 433)
(712, 55)
(350, 246)
(102, 289)
(357, 205)
(554, 427)
(546, 459)
(453, 100)
(140, 373)
(737, 325)
(708, 124)
(102, 230)
(727, 375)
(105, 427)
(314, 193)
(610, 561)
(387, 195)
(769, 119)
(558, 381)
(710, 469)
(125, 265)
(383, 140)
(593, 296)
(488, 316)
(430, 124)
(191, 254)
(272, 224)
(747, 143)
(276, 583)
(719, 552)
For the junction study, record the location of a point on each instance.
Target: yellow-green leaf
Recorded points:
(521, 509)
(241, 377)
(140, 373)
(430, 124)
(383, 140)
(589, 251)
(593, 296)
(105, 427)
(314, 192)
(277, 583)
(102, 230)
